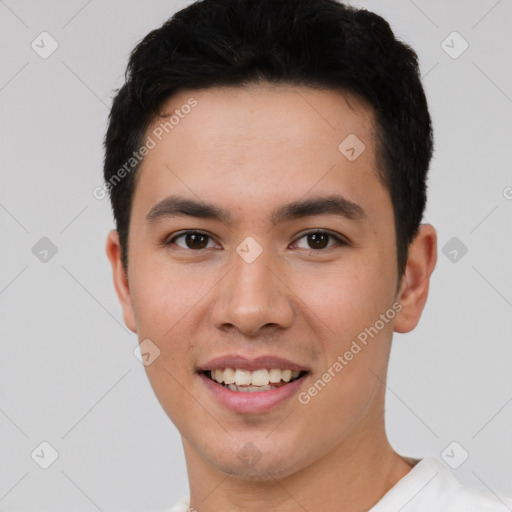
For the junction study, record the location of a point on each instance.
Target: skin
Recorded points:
(251, 149)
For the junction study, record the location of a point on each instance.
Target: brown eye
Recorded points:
(320, 239)
(193, 240)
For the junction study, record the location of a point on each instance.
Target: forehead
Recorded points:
(273, 140)
(259, 112)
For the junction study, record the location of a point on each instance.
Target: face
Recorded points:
(258, 243)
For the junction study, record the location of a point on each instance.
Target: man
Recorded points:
(267, 167)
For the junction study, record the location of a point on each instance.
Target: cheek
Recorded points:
(348, 297)
(346, 306)
(169, 383)
(169, 303)
(162, 295)
(163, 306)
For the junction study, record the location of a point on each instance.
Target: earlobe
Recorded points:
(413, 292)
(120, 279)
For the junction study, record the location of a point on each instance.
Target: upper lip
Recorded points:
(244, 363)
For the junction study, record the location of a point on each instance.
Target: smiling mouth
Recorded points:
(247, 381)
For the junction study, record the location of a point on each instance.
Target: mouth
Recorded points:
(256, 381)
(252, 385)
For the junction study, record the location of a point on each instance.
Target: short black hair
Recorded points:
(318, 43)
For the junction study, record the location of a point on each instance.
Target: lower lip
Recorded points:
(255, 402)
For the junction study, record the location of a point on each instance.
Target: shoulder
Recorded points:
(430, 486)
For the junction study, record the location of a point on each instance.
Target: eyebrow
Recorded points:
(178, 206)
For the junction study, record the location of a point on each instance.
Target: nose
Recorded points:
(253, 297)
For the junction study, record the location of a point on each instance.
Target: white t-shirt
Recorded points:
(429, 487)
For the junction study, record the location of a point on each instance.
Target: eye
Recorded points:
(194, 240)
(319, 240)
(197, 240)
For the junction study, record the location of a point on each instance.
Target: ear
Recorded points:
(413, 293)
(113, 250)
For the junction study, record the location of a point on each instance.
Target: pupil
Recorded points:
(318, 240)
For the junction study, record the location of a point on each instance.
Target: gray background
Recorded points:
(67, 369)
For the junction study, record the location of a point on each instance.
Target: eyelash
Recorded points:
(340, 242)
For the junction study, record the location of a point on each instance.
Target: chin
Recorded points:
(251, 464)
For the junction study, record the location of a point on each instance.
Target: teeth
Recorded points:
(249, 389)
(286, 375)
(258, 378)
(275, 375)
(229, 376)
(242, 377)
